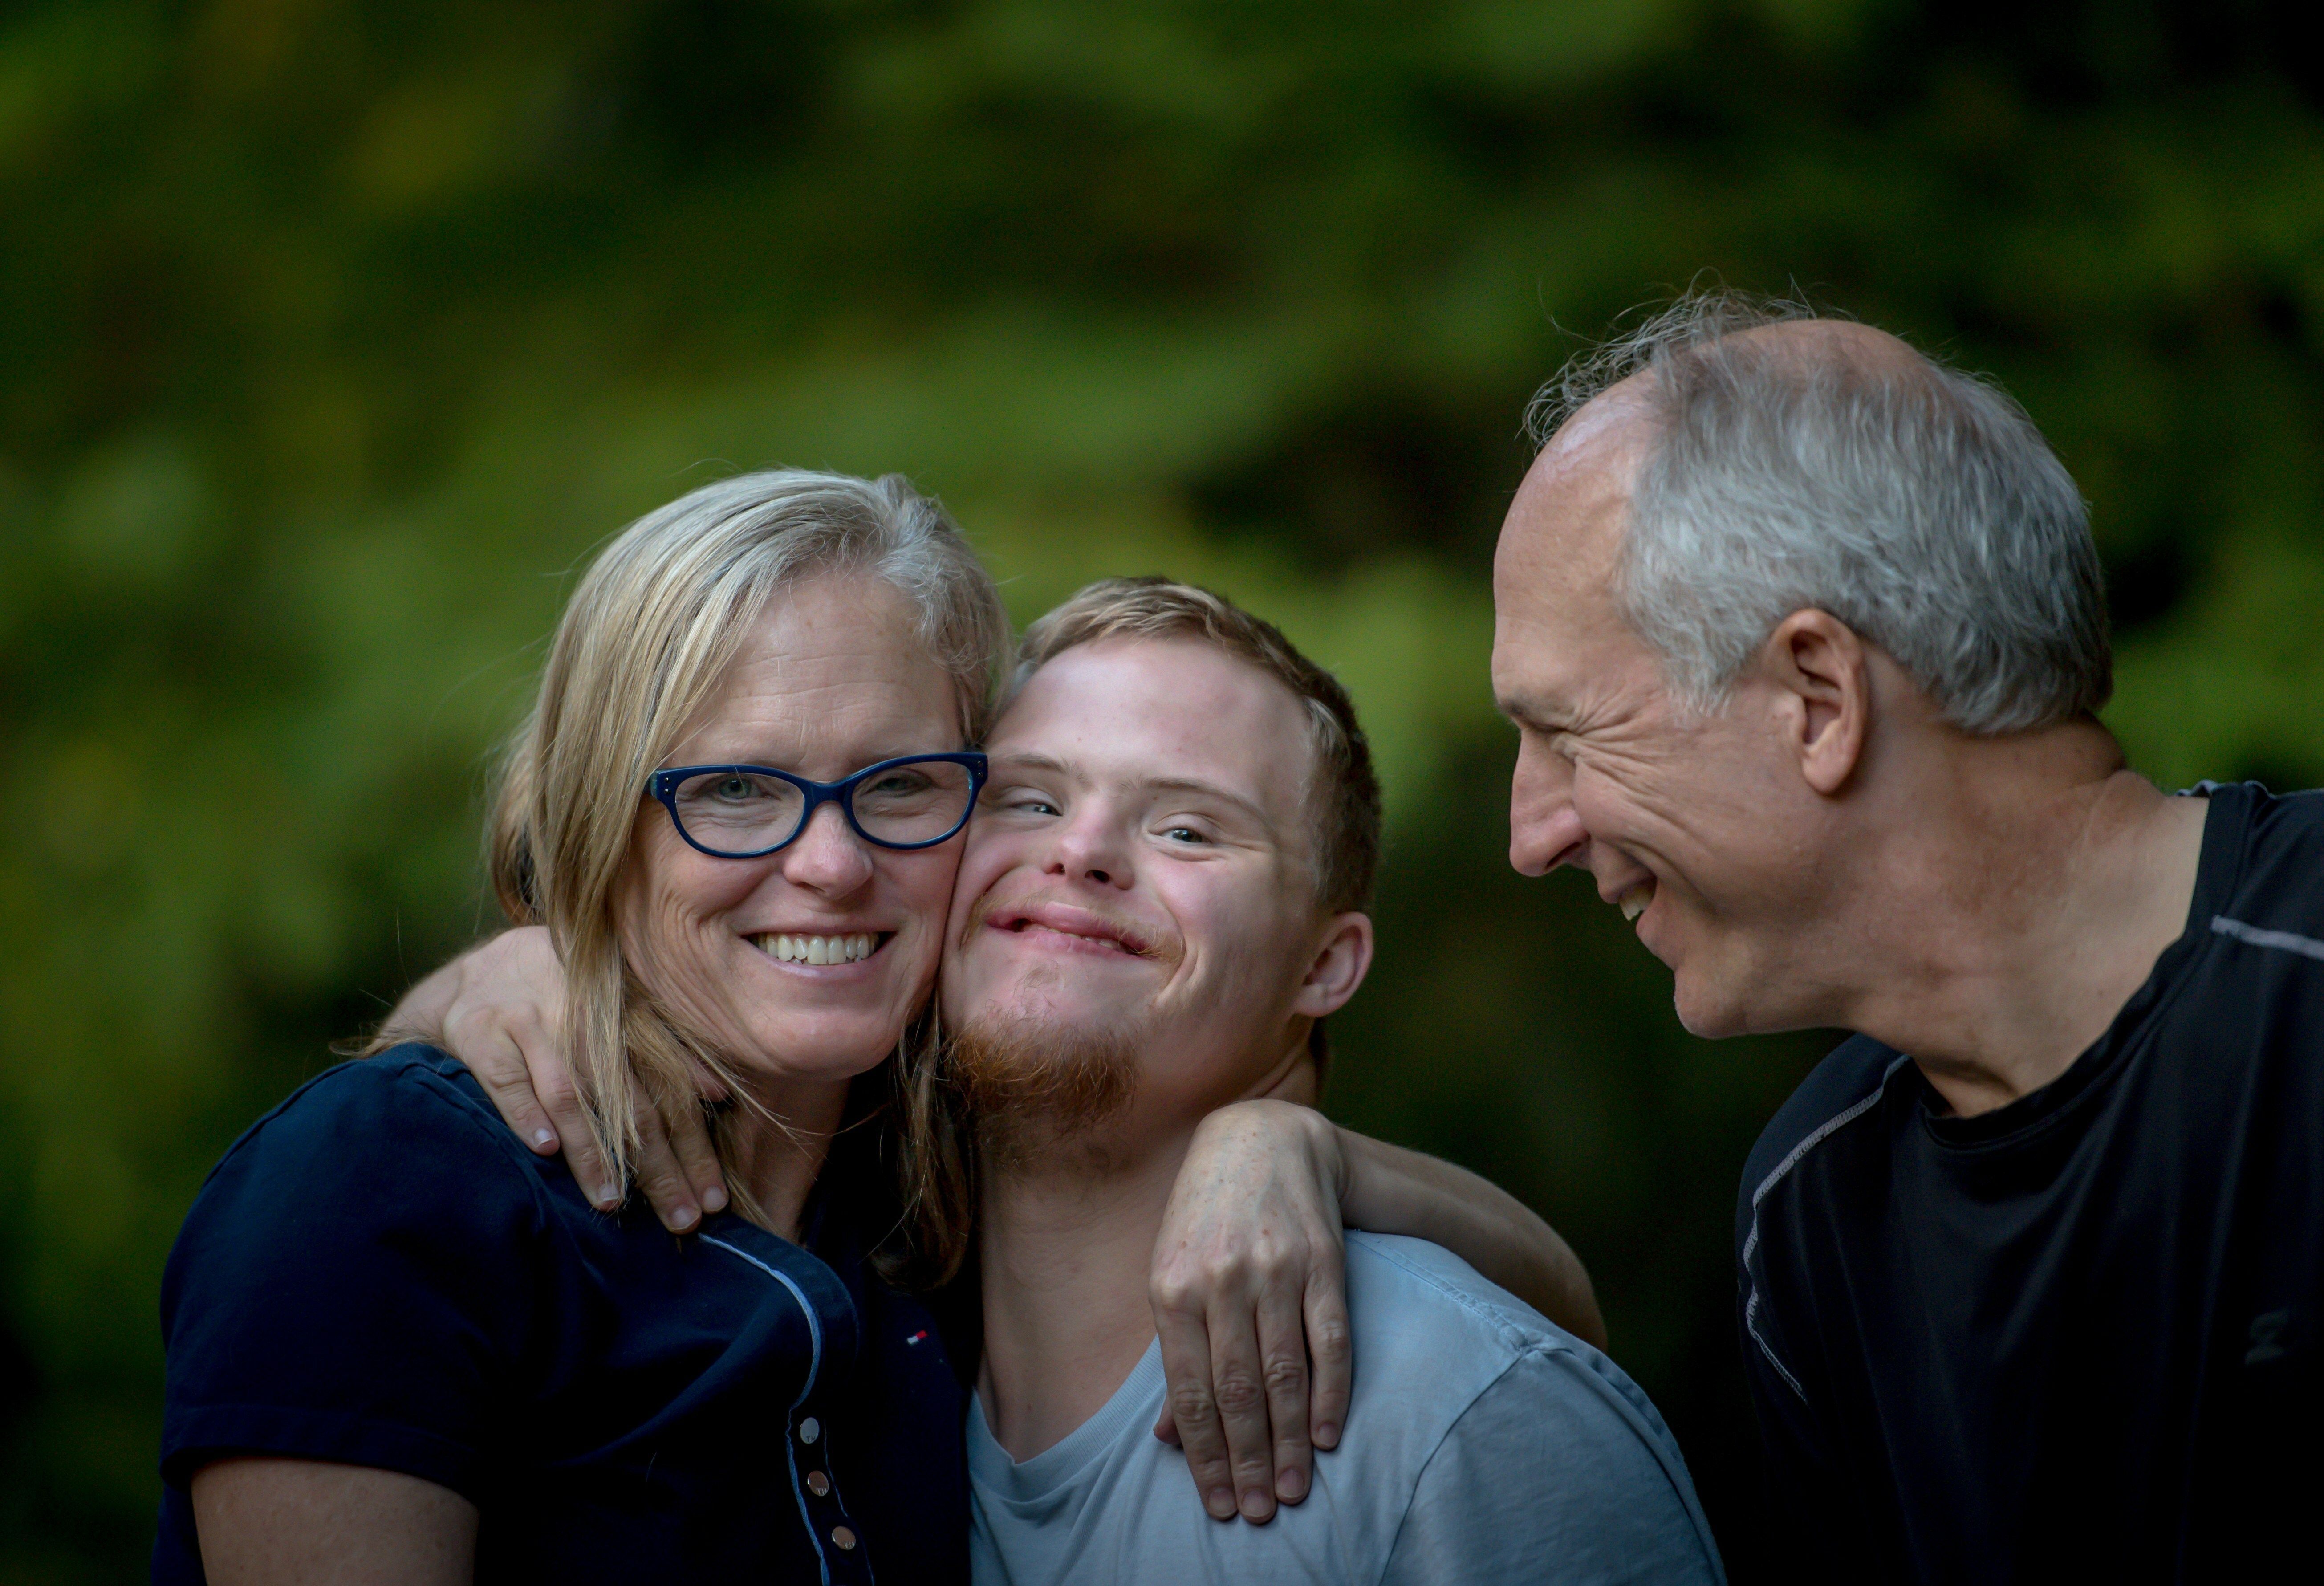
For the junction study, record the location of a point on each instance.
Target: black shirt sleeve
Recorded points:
(356, 1283)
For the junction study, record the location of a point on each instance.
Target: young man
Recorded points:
(1804, 637)
(1162, 898)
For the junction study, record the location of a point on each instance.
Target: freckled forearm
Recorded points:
(1391, 1190)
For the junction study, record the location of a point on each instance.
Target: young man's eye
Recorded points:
(1184, 834)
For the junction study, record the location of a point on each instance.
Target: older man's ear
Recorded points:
(1823, 674)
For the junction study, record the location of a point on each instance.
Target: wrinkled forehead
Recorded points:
(1143, 711)
(1560, 543)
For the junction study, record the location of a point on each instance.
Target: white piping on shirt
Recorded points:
(2288, 941)
(1751, 1241)
(814, 1366)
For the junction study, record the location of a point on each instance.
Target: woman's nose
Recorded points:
(827, 857)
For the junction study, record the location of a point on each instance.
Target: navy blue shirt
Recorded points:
(2079, 1337)
(379, 1273)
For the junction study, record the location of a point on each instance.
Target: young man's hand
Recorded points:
(498, 1009)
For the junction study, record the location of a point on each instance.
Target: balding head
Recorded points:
(1772, 461)
(1750, 533)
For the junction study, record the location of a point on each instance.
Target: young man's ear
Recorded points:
(1824, 695)
(1338, 968)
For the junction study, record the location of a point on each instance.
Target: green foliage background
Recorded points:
(335, 334)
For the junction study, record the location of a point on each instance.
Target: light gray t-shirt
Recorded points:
(1483, 1444)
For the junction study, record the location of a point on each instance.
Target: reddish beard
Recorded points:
(1032, 1084)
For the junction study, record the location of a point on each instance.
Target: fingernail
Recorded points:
(606, 1198)
(714, 1199)
(1291, 1486)
(1327, 1435)
(544, 1138)
(1255, 1504)
(1220, 1503)
(682, 1218)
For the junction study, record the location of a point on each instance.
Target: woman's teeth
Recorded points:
(816, 949)
(1633, 903)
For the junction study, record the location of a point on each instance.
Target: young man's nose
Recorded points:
(827, 857)
(1094, 849)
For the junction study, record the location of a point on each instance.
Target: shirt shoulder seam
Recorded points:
(1808, 1142)
(1502, 1324)
(423, 1077)
(2253, 935)
(1420, 1473)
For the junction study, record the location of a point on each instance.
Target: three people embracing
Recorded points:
(961, 1022)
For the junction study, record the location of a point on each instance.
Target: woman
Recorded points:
(399, 1339)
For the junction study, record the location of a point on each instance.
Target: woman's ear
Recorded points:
(1825, 695)
(1338, 967)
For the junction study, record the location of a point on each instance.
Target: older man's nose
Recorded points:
(828, 857)
(1545, 832)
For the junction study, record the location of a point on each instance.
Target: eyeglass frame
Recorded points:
(662, 787)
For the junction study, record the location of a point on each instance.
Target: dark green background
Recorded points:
(336, 334)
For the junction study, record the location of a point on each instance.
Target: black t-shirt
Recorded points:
(380, 1274)
(2074, 1338)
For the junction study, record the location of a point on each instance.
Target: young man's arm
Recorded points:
(496, 1009)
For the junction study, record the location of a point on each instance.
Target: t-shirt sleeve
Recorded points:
(356, 1283)
(1556, 1472)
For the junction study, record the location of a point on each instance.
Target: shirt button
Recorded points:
(810, 1429)
(843, 1539)
(818, 1483)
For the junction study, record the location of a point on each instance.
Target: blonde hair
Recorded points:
(1343, 791)
(639, 655)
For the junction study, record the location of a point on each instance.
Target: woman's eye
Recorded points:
(735, 788)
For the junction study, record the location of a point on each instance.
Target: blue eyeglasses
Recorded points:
(746, 811)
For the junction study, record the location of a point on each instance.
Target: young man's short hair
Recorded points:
(1344, 797)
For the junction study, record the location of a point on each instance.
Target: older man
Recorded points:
(1804, 636)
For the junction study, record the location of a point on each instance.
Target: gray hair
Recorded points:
(1915, 502)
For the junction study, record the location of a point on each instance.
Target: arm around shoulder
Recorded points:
(1391, 1190)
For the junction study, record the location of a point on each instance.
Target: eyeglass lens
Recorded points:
(738, 812)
